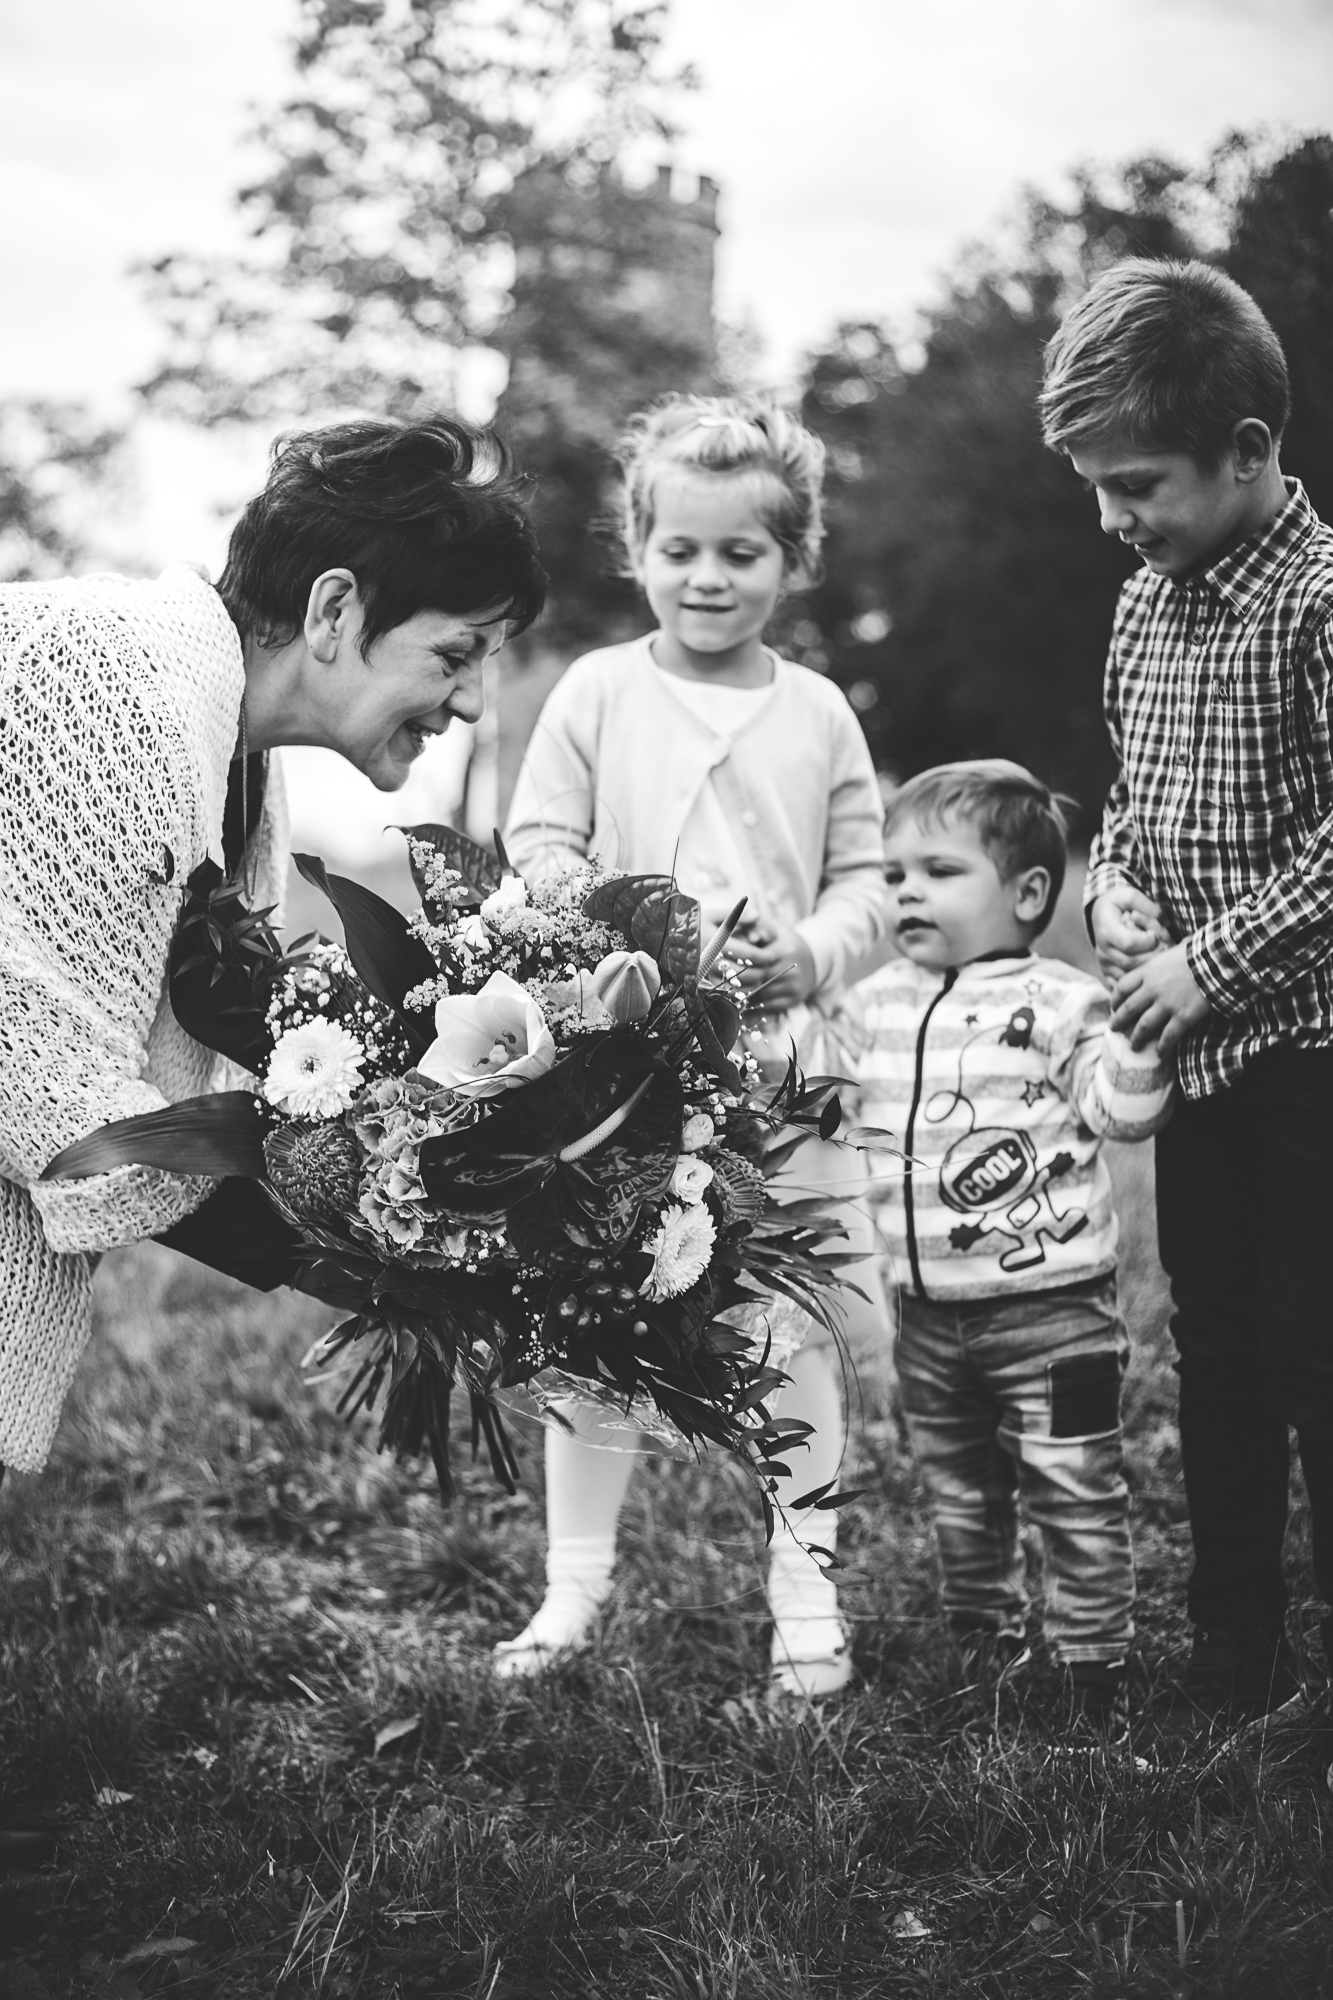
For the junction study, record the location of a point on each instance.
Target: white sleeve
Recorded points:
(1118, 1092)
(91, 806)
(551, 818)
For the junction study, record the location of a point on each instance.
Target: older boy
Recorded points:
(999, 1076)
(1167, 389)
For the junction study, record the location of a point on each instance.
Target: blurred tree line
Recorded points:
(59, 467)
(427, 147)
(430, 151)
(968, 594)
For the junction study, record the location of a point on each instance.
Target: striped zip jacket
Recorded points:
(999, 1081)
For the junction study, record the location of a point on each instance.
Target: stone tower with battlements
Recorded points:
(612, 308)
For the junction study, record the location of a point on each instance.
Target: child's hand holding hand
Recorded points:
(1159, 1001)
(1126, 929)
(776, 958)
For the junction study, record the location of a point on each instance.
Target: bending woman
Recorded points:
(363, 591)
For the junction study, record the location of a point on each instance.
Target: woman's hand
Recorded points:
(776, 959)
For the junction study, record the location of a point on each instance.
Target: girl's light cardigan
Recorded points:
(616, 763)
(119, 704)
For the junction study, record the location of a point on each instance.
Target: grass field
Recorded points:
(218, 1602)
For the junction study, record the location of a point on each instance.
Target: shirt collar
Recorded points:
(1245, 574)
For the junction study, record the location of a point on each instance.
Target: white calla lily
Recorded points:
(488, 1041)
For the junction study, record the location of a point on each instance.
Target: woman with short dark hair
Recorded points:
(363, 591)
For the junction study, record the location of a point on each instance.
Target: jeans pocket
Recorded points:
(1085, 1394)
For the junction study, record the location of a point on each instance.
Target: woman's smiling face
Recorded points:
(382, 708)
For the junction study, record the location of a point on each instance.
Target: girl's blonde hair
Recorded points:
(730, 434)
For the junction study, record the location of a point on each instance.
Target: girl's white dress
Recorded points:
(768, 793)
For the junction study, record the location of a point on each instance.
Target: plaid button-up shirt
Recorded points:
(1218, 693)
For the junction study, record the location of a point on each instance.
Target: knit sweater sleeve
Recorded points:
(101, 806)
(851, 913)
(553, 812)
(1117, 1091)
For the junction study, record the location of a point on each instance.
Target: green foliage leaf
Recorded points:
(670, 928)
(717, 1026)
(219, 1134)
(221, 967)
(383, 950)
(616, 902)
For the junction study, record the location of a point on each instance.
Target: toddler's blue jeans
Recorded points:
(1019, 1397)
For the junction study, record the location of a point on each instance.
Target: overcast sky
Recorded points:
(858, 144)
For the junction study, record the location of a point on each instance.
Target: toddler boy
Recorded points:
(999, 1075)
(1167, 389)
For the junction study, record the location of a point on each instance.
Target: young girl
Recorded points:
(697, 751)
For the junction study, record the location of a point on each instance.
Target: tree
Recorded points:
(378, 224)
(56, 462)
(969, 594)
(1281, 250)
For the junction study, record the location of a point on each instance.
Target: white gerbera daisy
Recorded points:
(681, 1249)
(315, 1071)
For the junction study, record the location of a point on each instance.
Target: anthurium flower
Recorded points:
(627, 983)
(510, 1163)
(488, 1041)
(315, 1070)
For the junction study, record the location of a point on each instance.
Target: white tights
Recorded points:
(585, 1490)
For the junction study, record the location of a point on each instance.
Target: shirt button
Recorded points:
(749, 819)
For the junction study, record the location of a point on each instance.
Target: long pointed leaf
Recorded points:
(386, 955)
(219, 1134)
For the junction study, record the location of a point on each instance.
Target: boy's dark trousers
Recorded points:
(1245, 1220)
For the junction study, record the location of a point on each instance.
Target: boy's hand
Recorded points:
(1159, 1001)
(1126, 929)
(779, 960)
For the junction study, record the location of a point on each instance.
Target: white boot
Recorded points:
(811, 1654)
(578, 1583)
(585, 1485)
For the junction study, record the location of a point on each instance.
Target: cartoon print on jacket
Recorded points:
(992, 1176)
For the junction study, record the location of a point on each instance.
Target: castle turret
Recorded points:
(612, 307)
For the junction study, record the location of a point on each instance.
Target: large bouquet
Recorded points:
(518, 1139)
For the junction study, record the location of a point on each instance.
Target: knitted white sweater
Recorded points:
(119, 703)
